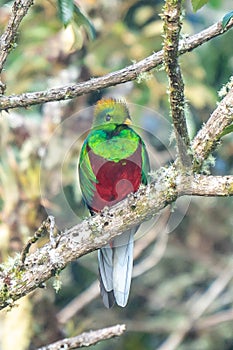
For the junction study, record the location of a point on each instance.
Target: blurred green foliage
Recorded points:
(39, 152)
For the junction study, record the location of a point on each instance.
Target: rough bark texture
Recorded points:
(172, 26)
(209, 135)
(86, 339)
(126, 74)
(96, 231)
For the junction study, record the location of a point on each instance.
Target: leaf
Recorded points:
(226, 19)
(227, 130)
(65, 11)
(83, 20)
(197, 4)
(216, 4)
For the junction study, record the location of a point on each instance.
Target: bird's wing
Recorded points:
(145, 164)
(86, 176)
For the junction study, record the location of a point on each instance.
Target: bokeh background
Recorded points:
(176, 260)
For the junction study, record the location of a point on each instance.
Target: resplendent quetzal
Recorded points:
(113, 163)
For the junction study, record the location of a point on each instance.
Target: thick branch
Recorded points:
(7, 40)
(83, 238)
(86, 339)
(96, 231)
(200, 185)
(209, 135)
(126, 74)
(172, 26)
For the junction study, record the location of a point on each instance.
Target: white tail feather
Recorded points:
(122, 267)
(115, 267)
(105, 258)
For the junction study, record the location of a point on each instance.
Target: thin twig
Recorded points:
(158, 326)
(214, 320)
(86, 339)
(7, 40)
(172, 26)
(126, 74)
(42, 230)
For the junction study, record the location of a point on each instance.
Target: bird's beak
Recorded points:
(128, 121)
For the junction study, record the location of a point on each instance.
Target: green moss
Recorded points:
(5, 297)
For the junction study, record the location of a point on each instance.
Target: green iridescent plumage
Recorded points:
(120, 145)
(86, 176)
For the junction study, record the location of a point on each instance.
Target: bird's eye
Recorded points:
(107, 117)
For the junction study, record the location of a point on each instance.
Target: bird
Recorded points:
(113, 163)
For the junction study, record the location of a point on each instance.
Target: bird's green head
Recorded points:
(110, 112)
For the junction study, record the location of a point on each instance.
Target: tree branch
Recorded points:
(7, 39)
(86, 339)
(209, 135)
(172, 26)
(200, 185)
(83, 238)
(96, 231)
(214, 320)
(121, 76)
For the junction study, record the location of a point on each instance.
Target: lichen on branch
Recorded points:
(172, 13)
(93, 233)
(210, 134)
(129, 73)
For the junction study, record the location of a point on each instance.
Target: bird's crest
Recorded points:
(108, 103)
